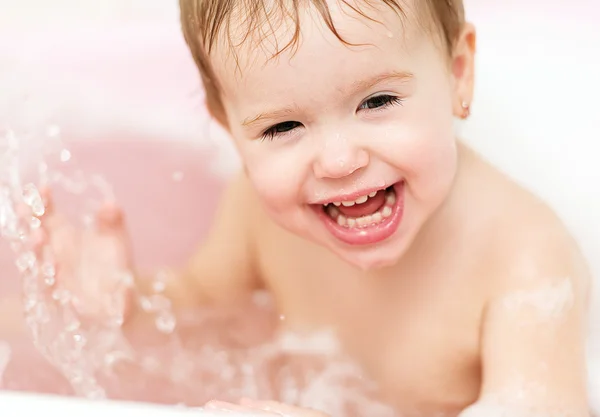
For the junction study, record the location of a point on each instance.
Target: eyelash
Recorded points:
(386, 100)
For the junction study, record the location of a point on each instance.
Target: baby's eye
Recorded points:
(280, 129)
(380, 101)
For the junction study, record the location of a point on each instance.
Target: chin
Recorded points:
(372, 257)
(370, 260)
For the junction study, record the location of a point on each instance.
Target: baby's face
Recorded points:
(351, 147)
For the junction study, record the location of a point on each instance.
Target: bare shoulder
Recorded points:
(224, 265)
(535, 311)
(530, 247)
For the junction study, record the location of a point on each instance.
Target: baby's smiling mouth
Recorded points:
(364, 219)
(364, 211)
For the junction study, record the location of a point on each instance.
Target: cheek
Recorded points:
(420, 138)
(431, 163)
(433, 136)
(422, 144)
(276, 176)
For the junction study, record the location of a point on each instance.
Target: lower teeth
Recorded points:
(371, 219)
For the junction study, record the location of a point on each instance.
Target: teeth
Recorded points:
(386, 212)
(390, 199)
(364, 221)
(362, 199)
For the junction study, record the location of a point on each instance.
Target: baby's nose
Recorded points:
(340, 161)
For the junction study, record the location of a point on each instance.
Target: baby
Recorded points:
(360, 211)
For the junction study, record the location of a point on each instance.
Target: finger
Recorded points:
(110, 223)
(41, 246)
(40, 249)
(39, 239)
(110, 218)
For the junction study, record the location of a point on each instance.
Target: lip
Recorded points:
(368, 235)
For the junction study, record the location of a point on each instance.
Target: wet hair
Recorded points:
(208, 22)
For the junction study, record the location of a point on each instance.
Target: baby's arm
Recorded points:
(222, 268)
(533, 340)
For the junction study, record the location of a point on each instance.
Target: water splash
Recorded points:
(56, 328)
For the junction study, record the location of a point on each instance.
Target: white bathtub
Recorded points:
(535, 116)
(13, 404)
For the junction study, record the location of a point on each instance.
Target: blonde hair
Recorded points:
(203, 21)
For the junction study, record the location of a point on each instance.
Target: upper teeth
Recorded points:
(359, 200)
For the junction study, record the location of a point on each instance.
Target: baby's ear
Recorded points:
(463, 67)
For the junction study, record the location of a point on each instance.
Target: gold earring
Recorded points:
(466, 110)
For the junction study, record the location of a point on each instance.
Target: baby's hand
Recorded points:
(93, 265)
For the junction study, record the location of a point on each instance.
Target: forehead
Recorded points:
(256, 39)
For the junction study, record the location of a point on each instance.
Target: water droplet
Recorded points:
(35, 223)
(282, 317)
(116, 320)
(26, 262)
(49, 280)
(72, 325)
(79, 340)
(48, 270)
(53, 131)
(126, 279)
(65, 155)
(32, 198)
(41, 313)
(62, 296)
(30, 302)
(158, 286)
(110, 359)
(165, 323)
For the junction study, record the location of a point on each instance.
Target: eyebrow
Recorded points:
(355, 87)
(268, 116)
(365, 84)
